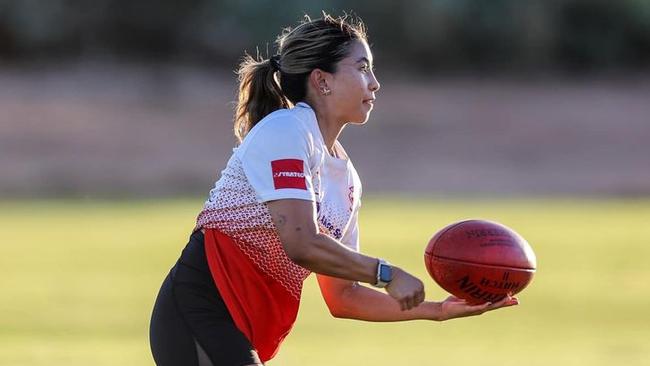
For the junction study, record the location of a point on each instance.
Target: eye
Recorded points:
(365, 68)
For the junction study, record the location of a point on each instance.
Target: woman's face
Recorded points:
(354, 85)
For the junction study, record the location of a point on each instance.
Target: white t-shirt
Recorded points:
(283, 156)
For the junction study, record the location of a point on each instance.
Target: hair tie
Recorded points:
(275, 62)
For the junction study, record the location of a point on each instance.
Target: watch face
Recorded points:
(385, 273)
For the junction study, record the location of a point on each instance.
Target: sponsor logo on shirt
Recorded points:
(330, 226)
(288, 173)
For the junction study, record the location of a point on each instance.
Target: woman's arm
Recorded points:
(295, 221)
(347, 299)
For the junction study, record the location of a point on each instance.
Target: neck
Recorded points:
(330, 127)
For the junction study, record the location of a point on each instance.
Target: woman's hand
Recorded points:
(454, 307)
(406, 289)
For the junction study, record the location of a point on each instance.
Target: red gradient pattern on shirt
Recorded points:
(235, 212)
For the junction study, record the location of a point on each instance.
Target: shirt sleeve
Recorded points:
(276, 160)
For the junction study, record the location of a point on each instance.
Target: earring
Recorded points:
(326, 91)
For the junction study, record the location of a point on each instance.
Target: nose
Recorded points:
(374, 83)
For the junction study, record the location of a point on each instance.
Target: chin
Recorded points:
(361, 122)
(358, 122)
(360, 119)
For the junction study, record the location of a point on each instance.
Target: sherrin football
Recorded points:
(480, 261)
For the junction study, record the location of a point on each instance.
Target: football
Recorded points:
(480, 261)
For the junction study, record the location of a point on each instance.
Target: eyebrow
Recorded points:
(363, 58)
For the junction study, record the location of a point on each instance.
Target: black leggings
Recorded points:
(190, 324)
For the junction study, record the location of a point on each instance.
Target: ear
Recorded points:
(319, 80)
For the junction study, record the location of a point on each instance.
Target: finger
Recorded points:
(505, 302)
(410, 302)
(403, 304)
(415, 300)
(420, 298)
(455, 299)
(479, 309)
(512, 301)
(509, 302)
(499, 303)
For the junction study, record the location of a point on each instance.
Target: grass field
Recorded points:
(79, 280)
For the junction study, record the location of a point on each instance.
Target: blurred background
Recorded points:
(134, 98)
(116, 119)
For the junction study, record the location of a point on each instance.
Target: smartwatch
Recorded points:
(384, 273)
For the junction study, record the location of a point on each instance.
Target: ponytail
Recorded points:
(259, 93)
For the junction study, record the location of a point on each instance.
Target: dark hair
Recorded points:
(266, 85)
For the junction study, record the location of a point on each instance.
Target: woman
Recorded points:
(286, 205)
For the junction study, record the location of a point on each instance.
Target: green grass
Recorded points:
(79, 280)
